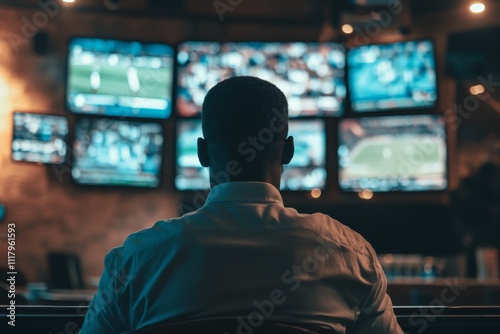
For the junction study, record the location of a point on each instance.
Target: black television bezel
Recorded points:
(66, 140)
(397, 191)
(67, 67)
(72, 159)
(341, 43)
(396, 110)
(326, 166)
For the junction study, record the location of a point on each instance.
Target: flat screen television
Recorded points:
(306, 171)
(311, 75)
(190, 174)
(117, 153)
(393, 153)
(392, 76)
(39, 138)
(118, 78)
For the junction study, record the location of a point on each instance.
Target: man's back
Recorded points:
(244, 255)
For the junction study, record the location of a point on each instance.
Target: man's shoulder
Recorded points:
(333, 231)
(160, 232)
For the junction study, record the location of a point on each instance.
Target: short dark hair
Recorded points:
(239, 107)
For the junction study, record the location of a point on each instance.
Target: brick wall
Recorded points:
(53, 214)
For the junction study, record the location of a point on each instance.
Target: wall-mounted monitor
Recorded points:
(118, 78)
(190, 174)
(393, 153)
(117, 153)
(39, 138)
(306, 171)
(392, 76)
(311, 75)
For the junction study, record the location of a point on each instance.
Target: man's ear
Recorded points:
(203, 152)
(288, 151)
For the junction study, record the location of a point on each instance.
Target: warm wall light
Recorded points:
(3, 89)
(365, 194)
(347, 29)
(5, 111)
(316, 193)
(477, 7)
(69, 1)
(476, 90)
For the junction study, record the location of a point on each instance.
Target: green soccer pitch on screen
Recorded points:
(393, 153)
(120, 78)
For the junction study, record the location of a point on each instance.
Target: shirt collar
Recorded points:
(244, 192)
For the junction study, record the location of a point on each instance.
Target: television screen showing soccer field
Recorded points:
(393, 153)
(39, 138)
(311, 75)
(117, 78)
(392, 76)
(118, 153)
(306, 171)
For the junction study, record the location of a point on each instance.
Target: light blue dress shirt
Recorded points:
(246, 256)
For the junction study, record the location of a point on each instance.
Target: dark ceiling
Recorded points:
(246, 9)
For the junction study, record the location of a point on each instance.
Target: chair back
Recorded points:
(230, 326)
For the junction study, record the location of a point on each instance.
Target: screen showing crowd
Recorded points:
(39, 138)
(117, 78)
(306, 171)
(392, 76)
(393, 153)
(312, 75)
(117, 152)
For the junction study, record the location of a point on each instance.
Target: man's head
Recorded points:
(245, 128)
